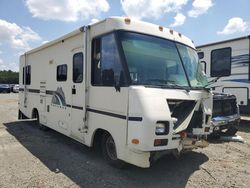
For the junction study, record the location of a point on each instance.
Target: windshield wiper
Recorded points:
(166, 84)
(212, 81)
(179, 86)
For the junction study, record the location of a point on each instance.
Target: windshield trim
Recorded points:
(136, 32)
(125, 64)
(184, 68)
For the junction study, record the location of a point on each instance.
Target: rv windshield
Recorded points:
(160, 62)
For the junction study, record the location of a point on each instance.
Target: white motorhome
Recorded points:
(228, 62)
(135, 87)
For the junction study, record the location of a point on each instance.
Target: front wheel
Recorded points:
(109, 151)
(41, 126)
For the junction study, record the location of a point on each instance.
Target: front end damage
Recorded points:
(191, 127)
(186, 117)
(191, 123)
(226, 116)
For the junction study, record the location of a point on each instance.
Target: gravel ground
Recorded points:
(30, 157)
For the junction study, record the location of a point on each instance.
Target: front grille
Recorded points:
(224, 107)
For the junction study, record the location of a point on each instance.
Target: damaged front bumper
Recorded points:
(221, 123)
(186, 144)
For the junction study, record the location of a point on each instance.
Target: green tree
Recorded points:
(9, 77)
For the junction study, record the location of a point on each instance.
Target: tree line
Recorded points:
(9, 77)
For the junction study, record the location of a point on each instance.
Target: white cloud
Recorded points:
(45, 41)
(2, 65)
(200, 7)
(94, 20)
(234, 25)
(17, 37)
(179, 19)
(66, 10)
(10, 66)
(151, 8)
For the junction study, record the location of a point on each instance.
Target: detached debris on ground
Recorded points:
(235, 138)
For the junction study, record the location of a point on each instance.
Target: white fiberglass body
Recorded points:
(137, 82)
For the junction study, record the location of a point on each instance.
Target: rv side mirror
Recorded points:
(117, 86)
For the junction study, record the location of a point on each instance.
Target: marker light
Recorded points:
(160, 142)
(179, 34)
(135, 141)
(127, 20)
(171, 31)
(160, 28)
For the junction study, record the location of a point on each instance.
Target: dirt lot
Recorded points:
(30, 157)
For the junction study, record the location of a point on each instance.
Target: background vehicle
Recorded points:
(16, 88)
(4, 88)
(136, 88)
(226, 117)
(11, 87)
(228, 61)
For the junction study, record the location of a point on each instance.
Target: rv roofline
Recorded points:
(223, 41)
(118, 21)
(53, 42)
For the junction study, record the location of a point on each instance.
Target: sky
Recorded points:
(26, 24)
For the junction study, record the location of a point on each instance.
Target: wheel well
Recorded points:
(34, 113)
(96, 143)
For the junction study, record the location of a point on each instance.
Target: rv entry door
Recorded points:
(78, 96)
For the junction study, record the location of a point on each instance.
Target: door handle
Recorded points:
(73, 90)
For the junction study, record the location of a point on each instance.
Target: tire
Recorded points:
(20, 114)
(109, 151)
(41, 126)
(231, 131)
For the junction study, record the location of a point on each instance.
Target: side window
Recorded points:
(78, 68)
(61, 73)
(221, 62)
(23, 74)
(106, 65)
(27, 75)
(201, 55)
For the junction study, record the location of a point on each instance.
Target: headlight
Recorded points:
(162, 128)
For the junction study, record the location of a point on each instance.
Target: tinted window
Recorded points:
(221, 62)
(201, 55)
(23, 74)
(78, 68)
(106, 64)
(61, 73)
(27, 75)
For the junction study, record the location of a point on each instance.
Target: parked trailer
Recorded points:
(135, 87)
(228, 61)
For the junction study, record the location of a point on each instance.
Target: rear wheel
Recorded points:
(109, 151)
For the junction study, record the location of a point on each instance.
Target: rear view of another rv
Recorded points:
(228, 62)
